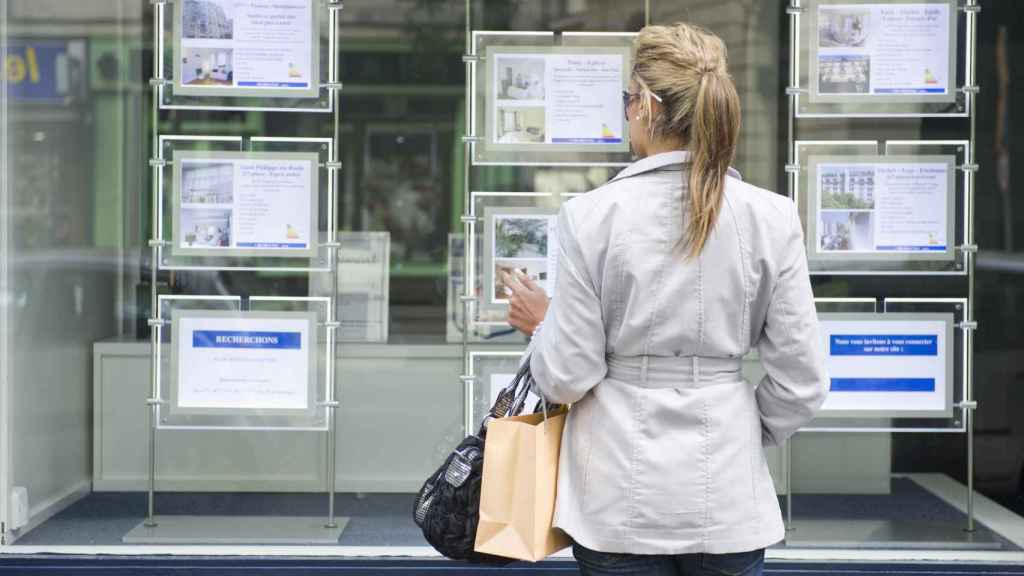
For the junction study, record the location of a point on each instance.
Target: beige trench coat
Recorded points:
(662, 451)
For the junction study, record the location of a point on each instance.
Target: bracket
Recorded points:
(968, 405)
(158, 162)
(156, 322)
(969, 248)
(331, 404)
(971, 8)
(795, 90)
(153, 401)
(332, 85)
(465, 219)
(159, 82)
(472, 139)
(332, 165)
(156, 243)
(467, 58)
(793, 168)
(968, 325)
(467, 378)
(331, 324)
(794, 10)
(467, 298)
(970, 89)
(969, 167)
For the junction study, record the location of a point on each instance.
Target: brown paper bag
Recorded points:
(517, 491)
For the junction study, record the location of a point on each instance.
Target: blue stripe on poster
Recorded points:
(883, 385)
(244, 339)
(883, 345)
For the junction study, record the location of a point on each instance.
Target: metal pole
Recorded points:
(647, 12)
(791, 180)
(971, 101)
(332, 404)
(154, 330)
(467, 282)
(787, 454)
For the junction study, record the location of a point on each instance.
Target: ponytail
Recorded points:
(685, 66)
(713, 134)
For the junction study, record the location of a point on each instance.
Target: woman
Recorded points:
(668, 275)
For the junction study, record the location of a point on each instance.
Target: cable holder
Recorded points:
(974, 89)
(971, 8)
(331, 324)
(158, 243)
(472, 58)
(472, 139)
(332, 165)
(156, 322)
(794, 10)
(467, 219)
(331, 85)
(159, 82)
(967, 405)
(968, 248)
(967, 325)
(335, 5)
(795, 91)
(158, 162)
(969, 167)
(467, 378)
(792, 168)
(329, 403)
(467, 298)
(154, 401)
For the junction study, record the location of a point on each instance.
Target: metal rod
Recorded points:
(647, 12)
(794, 78)
(467, 282)
(971, 101)
(332, 413)
(154, 336)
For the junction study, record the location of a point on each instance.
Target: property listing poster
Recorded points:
(251, 45)
(243, 363)
(557, 98)
(259, 206)
(882, 207)
(883, 49)
(880, 365)
(524, 243)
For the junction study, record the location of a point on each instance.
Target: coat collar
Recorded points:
(659, 161)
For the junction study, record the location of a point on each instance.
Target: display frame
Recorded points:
(810, 104)
(953, 153)
(483, 364)
(315, 313)
(953, 420)
(176, 149)
(480, 263)
(363, 249)
(172, 95)
(486, 46)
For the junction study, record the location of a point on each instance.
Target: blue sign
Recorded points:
(244, 339)
(883, 345)
(883, 385)
(37, 70)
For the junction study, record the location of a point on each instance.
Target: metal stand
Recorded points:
(971, 8)
(182, 529)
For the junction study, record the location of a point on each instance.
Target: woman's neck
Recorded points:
(663, 146)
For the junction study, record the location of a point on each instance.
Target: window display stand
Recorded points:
(867, 533)
(198, 529)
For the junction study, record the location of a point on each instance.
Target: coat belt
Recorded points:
(673, 371)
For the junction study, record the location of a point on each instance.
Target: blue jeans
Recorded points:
(594, 563)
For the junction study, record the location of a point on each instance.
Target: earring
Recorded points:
(638, 118)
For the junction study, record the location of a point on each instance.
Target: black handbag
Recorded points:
(447, 507)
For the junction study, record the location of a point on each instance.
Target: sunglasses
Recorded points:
(627, 99)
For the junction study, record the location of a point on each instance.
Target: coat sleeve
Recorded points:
(795, 383)
(569, 350)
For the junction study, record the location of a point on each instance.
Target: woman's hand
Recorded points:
(527, 302)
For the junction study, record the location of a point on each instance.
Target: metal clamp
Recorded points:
(968, 405)
(794, 10)
(334, 244)
(156, 243)
(971, 8)
(158, 162)
(969, 167)
(332, 165)
(968, 325)
(153, 401)
(159, 82)
(335, 5)
(468, 219)
(156, 322)
(332, 85)
(970, 89)
(331, 324)
(467, 298)
(969, 248)
(472, 139)
(159, 2)
(467, 378)
(795, 90)
(329, 404)
(793, 168)
(472, 58)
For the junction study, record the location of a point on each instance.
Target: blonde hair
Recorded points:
(685, 65)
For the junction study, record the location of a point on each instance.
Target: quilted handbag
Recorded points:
(447, 507)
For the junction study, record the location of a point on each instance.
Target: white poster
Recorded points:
(239, 46)
(527, 243)
(883, 49)
(249, 206)
(882, 207)
(243, 363)
(887, 366)
(557, 98)
(364, 259)
(500, 381)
